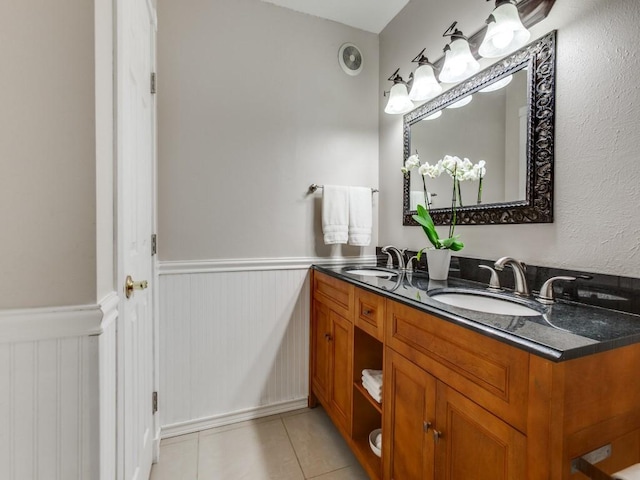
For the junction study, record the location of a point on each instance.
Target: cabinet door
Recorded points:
(321, 350)
(341, 365)
(474, 444)
(409, 414)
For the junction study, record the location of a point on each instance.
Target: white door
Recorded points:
(135, 130)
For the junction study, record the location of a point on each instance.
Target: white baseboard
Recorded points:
(200, 424)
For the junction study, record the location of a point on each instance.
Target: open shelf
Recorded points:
(359, 388)
(371, 462)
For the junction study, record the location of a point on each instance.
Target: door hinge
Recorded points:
(153, 83)
(154, 402)
(154, 244)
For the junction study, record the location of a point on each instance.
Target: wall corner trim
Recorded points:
(33, 324)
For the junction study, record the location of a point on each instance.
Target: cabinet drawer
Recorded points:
(489, 372)
(370, 313)
(334, 293)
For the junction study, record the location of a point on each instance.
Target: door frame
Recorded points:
(119, 249)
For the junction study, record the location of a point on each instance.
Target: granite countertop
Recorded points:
(562, 331)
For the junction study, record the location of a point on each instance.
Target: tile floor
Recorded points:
(297, 445)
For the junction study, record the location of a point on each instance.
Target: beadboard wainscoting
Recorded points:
(57, 392)
(234, 340)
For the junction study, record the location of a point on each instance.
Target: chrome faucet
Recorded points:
(399, 255)
(518, 274)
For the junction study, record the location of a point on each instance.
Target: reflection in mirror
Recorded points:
(498, 136)
(505, 116)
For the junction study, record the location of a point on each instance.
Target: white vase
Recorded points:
(438, 261)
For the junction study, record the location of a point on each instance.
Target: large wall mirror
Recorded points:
(505, 116)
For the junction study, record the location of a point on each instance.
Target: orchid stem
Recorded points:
(426, 195)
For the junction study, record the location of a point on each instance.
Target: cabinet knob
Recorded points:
(367, 312)
(327, 337)
(437, 436)
(426, 426)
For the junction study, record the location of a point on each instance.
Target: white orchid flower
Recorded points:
(432, 171)
(482, 171)
(412, 162)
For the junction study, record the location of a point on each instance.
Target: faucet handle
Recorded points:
(409, 266)
(494, 281)
(546, 291)
(389, 258)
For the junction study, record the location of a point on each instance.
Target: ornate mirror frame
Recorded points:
(540, 59)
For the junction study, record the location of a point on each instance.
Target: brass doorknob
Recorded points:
(130, 286)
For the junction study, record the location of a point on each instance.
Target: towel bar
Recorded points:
(313, 187)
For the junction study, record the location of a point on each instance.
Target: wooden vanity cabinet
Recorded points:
(459, 405)
(332, 347)
(435, 432)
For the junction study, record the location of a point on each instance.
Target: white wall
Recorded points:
(597, 130)
(57, 305)
(253, 108)
(234, 345)
(47, 154)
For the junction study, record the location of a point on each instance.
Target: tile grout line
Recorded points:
(286, 430)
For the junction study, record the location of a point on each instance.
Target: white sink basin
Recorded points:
(486, 304)
(370, 272)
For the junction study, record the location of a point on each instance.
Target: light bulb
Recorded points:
(503, 82)
(433, 116)
(505, 33)
(461, 103)
(502, 39)
(399, 101)
(459, 63)
(425, 86)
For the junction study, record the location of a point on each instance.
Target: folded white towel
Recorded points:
(360, 216)
(372, 387)
(374, 375)
(335, 214)
(630, 473)
(375, 395)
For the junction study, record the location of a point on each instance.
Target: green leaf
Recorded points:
(424, 219)
(453, 243)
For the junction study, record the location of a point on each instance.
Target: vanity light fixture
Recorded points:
(459, 63)
(461, 103)
(399, 101)
(433, 116)
(503, 82)
(505, 31)
(425, 86)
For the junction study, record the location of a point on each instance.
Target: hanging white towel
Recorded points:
(417, 198)
(335, 214)
(360, 216)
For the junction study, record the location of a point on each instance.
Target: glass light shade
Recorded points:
(503, 82)
(506, 34)
(459, 63)
(438, 114)
(425, 86)
(461, 103)
(399, 101)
